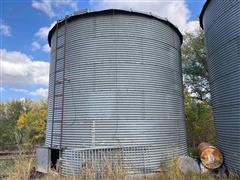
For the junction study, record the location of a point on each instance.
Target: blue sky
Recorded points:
(24, 25)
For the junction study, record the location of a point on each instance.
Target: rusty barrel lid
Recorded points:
(210, 156)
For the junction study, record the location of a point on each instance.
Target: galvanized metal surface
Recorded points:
(89, 13)
(43, 157)
(221, 22)
(131, 159)
(123, 84)
(53, 96)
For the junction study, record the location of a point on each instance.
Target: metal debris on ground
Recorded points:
(210, 156)
(188, 165)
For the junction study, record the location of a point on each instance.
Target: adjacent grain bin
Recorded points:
(221, 22)
(115, 86)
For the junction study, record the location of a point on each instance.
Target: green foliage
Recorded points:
(32, 123)
(195, 73)
(9, 114)
(198, 110)
(199, 121)
(22, 123)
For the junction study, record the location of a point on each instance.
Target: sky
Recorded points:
(24, 27)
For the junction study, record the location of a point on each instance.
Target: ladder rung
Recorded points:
(58, 95)
(60, 35)
(60, 70)
(59, 82)
(57, 121)
(54, 146)
(58, 59)
(58, 108)
(59, 47)
(56, 134)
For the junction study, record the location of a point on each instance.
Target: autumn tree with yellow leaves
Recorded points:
(22, 123)
(31, 124)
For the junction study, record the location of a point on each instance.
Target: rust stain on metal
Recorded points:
(210, 156)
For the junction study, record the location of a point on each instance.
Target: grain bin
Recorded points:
(221, 23)
(115, 85)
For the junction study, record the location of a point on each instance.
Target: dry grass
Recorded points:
(173, 172)
(107, 170)
(23, 169)
(233, 175)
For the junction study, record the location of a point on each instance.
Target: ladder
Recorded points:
(58, 89)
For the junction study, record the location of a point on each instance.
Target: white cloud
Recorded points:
(46, 48)
(18, 68)
(44, 6)
(36, 46)
(192, 26)
(41, 38)
(18, 90)
(40, 92)
(5, 30)
(176, 12)
(55, 7)
(43, 31)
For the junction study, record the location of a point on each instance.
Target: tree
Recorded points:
(195, 73)
(32, 123)
(199, 121)
(10, 113)
(22, 123)
(198, 110)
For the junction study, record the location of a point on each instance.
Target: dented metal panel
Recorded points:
(221, 23)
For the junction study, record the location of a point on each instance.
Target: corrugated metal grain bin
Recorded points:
(115, 80)
(221, 23)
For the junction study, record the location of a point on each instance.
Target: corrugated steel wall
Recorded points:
(221, 22)
(123, 84)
